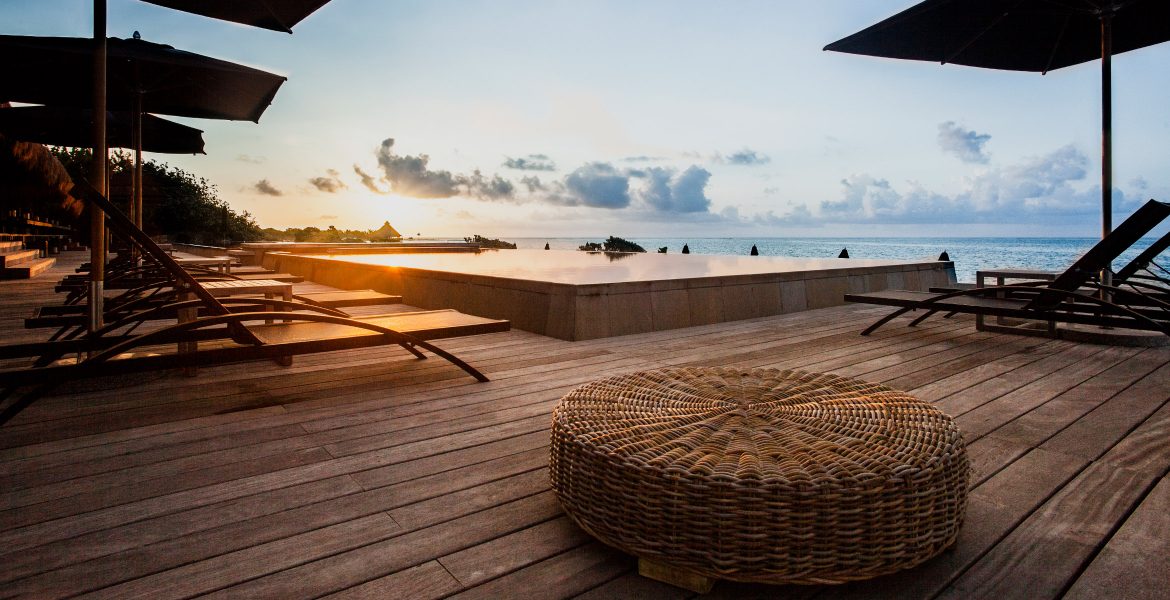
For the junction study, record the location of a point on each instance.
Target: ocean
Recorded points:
(969, 254)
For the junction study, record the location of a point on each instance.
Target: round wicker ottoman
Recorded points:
(760, 475)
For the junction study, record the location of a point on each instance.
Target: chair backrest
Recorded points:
(1144, 259)
(122, 224)
(1104, 252)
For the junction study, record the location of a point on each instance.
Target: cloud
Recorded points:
(748, 157)
(484, 188)
(266, 188)
(533, 183)
(328, 217)
(796, 215)
(648, 192)
(255, 160)
(409, 175)
(963, 143)
(533, 162)
(369, 181)
(666, 191)
(331, 184)
(1044, 187)
(598, 185)
(644, 159)
(745, 157)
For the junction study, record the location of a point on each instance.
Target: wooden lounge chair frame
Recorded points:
(221, 324)
(70, 319)
(1068, 298)
(1143, 268)
(1078, 307)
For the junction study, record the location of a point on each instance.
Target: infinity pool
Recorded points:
(585, 295)
(592, 268)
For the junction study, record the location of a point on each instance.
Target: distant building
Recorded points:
(385, 233)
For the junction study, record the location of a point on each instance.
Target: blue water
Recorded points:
(969, 254)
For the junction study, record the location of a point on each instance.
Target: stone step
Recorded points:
(6, 246)
(16, 257)
(28, 270)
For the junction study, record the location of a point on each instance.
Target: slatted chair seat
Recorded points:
(1072, 296)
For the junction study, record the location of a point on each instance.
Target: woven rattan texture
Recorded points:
(760, 475)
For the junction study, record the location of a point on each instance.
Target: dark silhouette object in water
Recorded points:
(490, 243)
(662, 250)
(612, 244)
(844, 253)
(755, 251)
(944, 256)
(546, 245)
(686, 249)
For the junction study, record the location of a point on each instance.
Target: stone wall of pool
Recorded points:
(598, 310)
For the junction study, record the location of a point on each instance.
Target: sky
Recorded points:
(647, 118)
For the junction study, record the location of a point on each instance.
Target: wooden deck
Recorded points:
(371, 474)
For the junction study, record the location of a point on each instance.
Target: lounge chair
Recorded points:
(1073, 296)
(234, 336)
(1143, 269)
(1141, 272)
(72, 317)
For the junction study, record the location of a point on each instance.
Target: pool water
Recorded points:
(591, 268)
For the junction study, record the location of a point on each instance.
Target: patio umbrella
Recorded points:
(277, 15)
(1023, 35)
(130, 75)
(50, 71)
(73, 127)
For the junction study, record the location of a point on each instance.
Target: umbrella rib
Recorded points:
(982, 33)
(1056, 46)
(274, 16)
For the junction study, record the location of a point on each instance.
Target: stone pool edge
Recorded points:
(584, 312)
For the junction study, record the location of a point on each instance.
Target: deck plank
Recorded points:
(1046, 552)
(1134, 564)
(492, 559)
(372, 474)
(561, 576)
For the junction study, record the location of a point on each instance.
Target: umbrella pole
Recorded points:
(97, 218)
(1106, 133)
(1106, 124)
(136, 199)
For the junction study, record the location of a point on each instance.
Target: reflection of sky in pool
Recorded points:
(583, 268)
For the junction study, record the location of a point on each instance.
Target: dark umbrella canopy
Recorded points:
(1023, 35)
(277, 15)
(73, 127)
(1015, 35)
(58, 71)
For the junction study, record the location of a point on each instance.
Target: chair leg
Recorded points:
(886, 319)
(411, 349)
(451, 358)
(922, 318)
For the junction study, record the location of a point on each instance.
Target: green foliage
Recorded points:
(189, 210)
(331, 235)
(490, 243)
(612, 244)
(176, 204)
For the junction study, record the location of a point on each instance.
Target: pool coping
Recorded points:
(597, 310)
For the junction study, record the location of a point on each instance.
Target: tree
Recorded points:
(177, 204)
